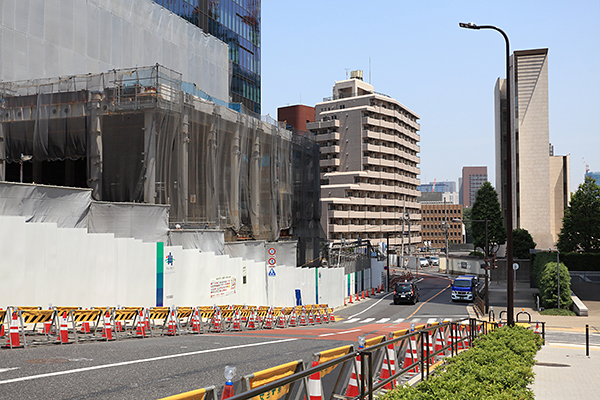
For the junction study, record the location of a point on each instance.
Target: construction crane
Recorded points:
(587, 167)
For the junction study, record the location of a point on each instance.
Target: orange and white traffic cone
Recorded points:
(303, 317)
(331, 316)
(251, 320)
(389, 370)
(237, 326)
(171, 328)
(318, 317)
(281, 319)
(352, 390)
(293, 319)
(315, 390)
(349, 300)
(411, 357)
(216, 324)
(141, 325)
(357, 297)
(107, 327)
(14, 340)
(63, 336)
(195, 321)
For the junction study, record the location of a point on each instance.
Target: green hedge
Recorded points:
(539, 262)
(498, 366)
(581, 261)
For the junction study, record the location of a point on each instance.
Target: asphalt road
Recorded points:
(152, 368)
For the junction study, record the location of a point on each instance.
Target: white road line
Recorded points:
(8, 369)
(432, 320)
(74, 371)
(353, 330)
(415, 320)
(383, 320)
(367, 320)
(326, 334)
(351, 320)
(399, 320)
(373, 305)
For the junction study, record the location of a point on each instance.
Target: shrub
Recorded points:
(539, 262)
(498, 366)
(548, 287)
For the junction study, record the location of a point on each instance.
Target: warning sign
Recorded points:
(272, 251)
(272, 272)
(272, 262)
(222, 286)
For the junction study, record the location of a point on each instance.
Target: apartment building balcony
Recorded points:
(330, 149)
(318, 125)
(326, 137)
(330, 162)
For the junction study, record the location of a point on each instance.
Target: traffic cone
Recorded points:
(251, 320)
(303, 317)
(372, 292)
(229, 314)
(311, 318)
(48, 326)
(141, 325)
(227, 390)
(216, 322)
(357, 297)
(172, 328)
(439, 343)
(411, 355)
(64, 330)
(389, 370)
(352, 390)
(293, 319)
(331, 316)
(318, 317)
(244, 318)
(281, 319)
(236, 321)
(14, 340)
(269, 320)
(350, 300)
(107, 331)
(196, 327)
(315, 390)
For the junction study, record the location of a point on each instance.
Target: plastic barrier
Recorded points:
(198, 394)
(271, 375)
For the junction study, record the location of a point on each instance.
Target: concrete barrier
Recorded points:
(578, 306)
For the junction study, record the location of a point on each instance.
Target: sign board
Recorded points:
(515, 266)
(272, 272)
(222, 286)
(271, 258)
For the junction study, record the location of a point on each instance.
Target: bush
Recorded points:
(548, 288)
(498, 366)
(581, 261)
(539, 262)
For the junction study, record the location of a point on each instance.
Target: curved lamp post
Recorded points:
(509, 198)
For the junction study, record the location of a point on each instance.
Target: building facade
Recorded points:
(444, 186)
(540, 180)
(438, 219)
(237, 23)
(296, 116)
(369, 165)
(472, 179)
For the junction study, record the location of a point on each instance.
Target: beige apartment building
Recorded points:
(369, 165)
(540, 190)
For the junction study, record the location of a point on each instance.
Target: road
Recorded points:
(157, 367)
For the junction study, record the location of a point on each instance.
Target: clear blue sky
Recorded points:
(444, 73)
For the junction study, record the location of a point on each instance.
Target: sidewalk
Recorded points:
(562, 370)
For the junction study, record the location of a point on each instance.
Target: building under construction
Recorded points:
(143, 135)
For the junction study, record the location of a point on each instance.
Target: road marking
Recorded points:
(8, 369)
(351, 320)
(383, 320)
(327, 334)
(415, 320)
(120, 364)
(428, 300)
(367, 320)
(373, 305)
(571, 346)
(399, 320)
(353, 330)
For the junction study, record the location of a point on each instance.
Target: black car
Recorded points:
(406, 292)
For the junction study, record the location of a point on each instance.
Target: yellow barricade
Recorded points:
(198, 394)
(396, 334)
(374, 341)
(184, 312)
(206, 312)
(86, 315)
(36, 316)
(2, 316)
(332, 354)
(270, 375)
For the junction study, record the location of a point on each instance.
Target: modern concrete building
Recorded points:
(540, 179)
(369, 164)
(472, 179)
(444, 186)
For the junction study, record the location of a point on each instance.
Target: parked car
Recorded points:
(434, 261)
(406, 292)
(423, 262)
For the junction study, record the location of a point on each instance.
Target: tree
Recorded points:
(522, 242)
(549, 289)
(486, 206)
(581, 223)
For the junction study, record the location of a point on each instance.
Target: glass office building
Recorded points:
(236, 22)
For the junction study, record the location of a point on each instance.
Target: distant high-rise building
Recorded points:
(540, 180)
(369, 164)
(472, 179)
(595, 175)
(444, 186)
(237, 23)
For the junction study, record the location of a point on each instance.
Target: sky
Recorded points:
(415, 52)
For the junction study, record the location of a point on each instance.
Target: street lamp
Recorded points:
(509, 214)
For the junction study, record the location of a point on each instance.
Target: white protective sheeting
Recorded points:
(48, 38)
(43, 264)
(147, 222)
(67, 207)
(203, 240)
